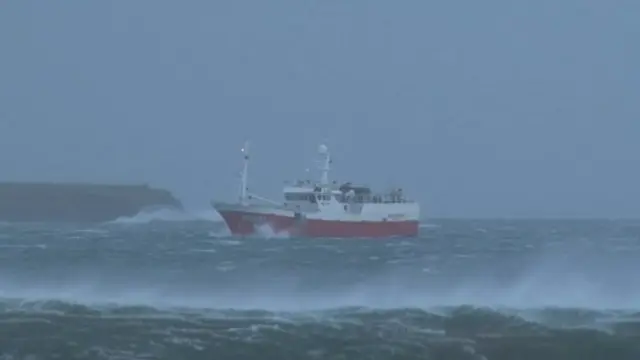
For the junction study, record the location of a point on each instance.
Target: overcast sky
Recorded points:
(477, 108)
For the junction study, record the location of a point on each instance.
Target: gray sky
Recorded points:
(476, 108)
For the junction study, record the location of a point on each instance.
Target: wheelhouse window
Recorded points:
(309, 197)
(298, 196)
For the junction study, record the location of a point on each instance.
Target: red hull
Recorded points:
(244, 223)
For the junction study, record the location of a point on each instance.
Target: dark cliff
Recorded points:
(69, 202)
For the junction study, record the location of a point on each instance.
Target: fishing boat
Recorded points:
(321, 208)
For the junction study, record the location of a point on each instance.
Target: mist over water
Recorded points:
(178, 285)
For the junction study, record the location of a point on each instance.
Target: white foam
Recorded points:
(166, 214)
(266, 231)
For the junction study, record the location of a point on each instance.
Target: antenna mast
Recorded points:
(326, 164)
(245, 172)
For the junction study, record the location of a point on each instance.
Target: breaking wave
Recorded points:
(465, 291)
(168, 214)
(110, 331)
(267, 231)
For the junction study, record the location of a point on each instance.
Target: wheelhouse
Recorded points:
(305, 193)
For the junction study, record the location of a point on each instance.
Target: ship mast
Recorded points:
(326, 164)
(245, 171)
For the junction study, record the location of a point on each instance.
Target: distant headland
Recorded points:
(78, 202)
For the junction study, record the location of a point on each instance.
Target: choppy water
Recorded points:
(183, 290)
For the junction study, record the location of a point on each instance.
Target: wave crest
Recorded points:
(462, 332)
(168, 214)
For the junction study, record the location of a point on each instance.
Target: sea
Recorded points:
(176, 287)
